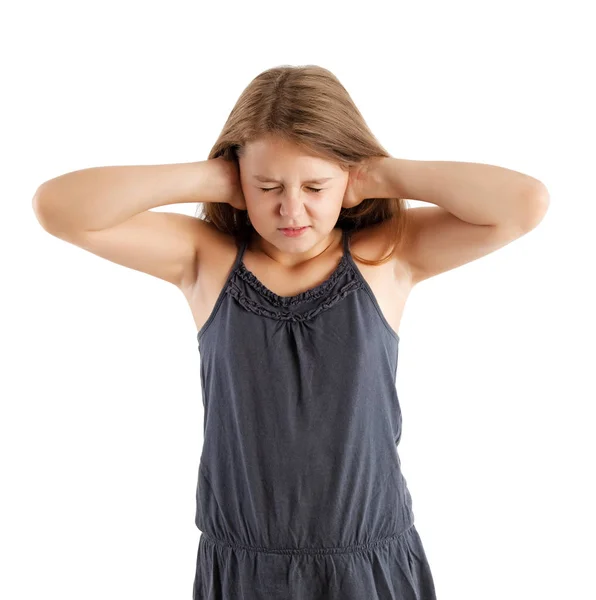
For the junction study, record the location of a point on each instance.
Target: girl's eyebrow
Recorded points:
(266, 179)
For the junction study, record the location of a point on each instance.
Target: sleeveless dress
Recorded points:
(300, 494)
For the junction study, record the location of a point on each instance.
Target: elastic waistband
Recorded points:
(327, 550)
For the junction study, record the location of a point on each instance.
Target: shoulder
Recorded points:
(215, 242)
(215, 250)
(375, 242)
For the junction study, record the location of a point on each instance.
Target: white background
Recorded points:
(101, 413)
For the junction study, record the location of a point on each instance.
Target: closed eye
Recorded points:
(308, 188)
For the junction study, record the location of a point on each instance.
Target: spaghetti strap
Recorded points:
(243, 244)
(346, 239)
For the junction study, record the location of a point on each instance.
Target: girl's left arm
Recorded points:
(477, 193)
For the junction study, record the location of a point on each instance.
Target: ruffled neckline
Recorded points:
(310, 294)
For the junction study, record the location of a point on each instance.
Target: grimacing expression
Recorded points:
(285, 187)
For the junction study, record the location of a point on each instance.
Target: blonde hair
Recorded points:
(308, 106)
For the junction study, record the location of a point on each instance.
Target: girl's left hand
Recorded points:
(364, 181)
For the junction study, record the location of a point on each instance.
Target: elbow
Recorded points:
(43, 208)
(536, 200)
(40, 207)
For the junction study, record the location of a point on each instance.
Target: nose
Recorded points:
(291, 206)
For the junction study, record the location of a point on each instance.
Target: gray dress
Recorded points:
(300, 492)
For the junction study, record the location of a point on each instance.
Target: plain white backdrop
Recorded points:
(101, 410)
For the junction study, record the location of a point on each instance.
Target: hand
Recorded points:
(225, 182)
(235, 194)
(364, 181)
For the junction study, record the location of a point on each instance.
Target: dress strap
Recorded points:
(242, 245)
(346, 238)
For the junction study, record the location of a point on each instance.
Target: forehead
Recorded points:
(275, 151)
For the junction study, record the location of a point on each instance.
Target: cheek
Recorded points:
(253, 201)
(260, 211)
(328, 206)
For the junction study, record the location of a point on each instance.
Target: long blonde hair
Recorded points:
(308, 106)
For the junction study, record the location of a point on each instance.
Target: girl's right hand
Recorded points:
(229, 187)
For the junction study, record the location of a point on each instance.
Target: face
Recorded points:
(286, 187)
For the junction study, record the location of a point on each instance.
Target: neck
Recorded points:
(259, 245)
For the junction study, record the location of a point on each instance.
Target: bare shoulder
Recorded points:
(212, 242)
(215, 251)
(374, 243)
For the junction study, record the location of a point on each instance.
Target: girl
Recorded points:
(297, 273)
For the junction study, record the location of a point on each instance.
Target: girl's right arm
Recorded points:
(106, 211)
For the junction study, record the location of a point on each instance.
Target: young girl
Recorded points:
(297, 274)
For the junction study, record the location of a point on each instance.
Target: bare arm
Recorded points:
(106, 210)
